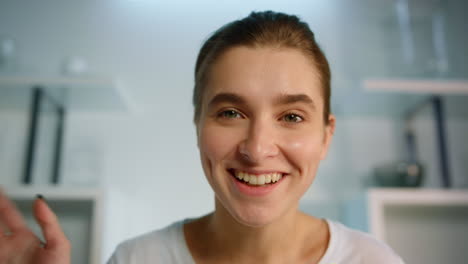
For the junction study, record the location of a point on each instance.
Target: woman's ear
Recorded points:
(329, 131)
(197, 134)
(197, 130)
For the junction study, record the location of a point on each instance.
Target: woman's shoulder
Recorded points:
(165, 245)
(152, 238)
(353, 246)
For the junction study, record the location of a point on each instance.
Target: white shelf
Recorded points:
(79, 211)
(418, 196)
(59, 80)
(77, 93)
(55, 193)
(417, 86)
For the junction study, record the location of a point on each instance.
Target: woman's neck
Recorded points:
(288, 239)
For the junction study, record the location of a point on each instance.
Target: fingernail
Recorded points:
(39, 196)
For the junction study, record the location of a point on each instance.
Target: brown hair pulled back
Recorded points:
(261, 29)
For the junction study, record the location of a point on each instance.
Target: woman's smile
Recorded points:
(256, 184)
(257, 179)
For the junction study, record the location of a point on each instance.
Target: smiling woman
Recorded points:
(263, 122)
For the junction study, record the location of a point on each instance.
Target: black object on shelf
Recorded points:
(33, 119)
(39, 97)
(58, 144)
(441, 140)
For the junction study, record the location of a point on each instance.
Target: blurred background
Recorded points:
(96, 114)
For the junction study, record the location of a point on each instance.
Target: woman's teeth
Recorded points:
(261, 179)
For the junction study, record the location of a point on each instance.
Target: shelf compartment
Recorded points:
(79, 212)
(422, 225)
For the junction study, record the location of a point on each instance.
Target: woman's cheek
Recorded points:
(217, 142)
(304, 149)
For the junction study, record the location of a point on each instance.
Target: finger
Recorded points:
(10, 217)
(47, 220)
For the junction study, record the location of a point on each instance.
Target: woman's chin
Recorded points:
(254, 218)
(253, 214)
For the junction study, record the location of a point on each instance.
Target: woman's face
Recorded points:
(261, 132)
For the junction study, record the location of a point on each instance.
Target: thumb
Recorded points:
(47, 220)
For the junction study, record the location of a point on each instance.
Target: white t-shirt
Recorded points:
(167, 245)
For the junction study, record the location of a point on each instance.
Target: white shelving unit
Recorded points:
(80, 211)
(412, 221)
(80, 214)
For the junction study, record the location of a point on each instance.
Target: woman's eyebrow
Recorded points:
(285, 99)
(226, 98)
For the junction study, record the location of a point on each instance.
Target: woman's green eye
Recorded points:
(293, 118)
(230, 114)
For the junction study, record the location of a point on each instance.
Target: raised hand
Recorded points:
(19, 245)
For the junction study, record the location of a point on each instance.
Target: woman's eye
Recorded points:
(293, 118)
(229, 114)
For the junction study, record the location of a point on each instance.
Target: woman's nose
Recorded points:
(260, 143)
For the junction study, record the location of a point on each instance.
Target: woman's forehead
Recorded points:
(263, 72)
